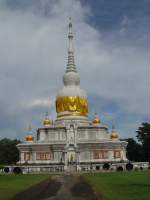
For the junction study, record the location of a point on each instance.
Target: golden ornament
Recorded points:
(29, 138)
(114, 135)
(76, 105)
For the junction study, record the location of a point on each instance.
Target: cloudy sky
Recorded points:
(112, 50)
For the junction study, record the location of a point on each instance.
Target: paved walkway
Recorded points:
(60, 187)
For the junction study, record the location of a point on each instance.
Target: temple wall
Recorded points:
(79, 134)
(92, 134)
(51, 135)
(94, 155)
(72, 143)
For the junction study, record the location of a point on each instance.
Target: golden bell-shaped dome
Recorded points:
(71, 105)
(114, 135)
(46, 121)
(96, 120)
(29, 138)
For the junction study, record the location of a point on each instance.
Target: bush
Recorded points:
(17, 170)
(6, 170)
(120, 169)
(129, 166)
(106, 166)
(1, 166)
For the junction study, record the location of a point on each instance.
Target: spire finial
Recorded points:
(46, 114)
(29, 129)
(113, 125)
(71, 64)
(70, 28)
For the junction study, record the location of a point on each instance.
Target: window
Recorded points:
(105, 154)
(100, 154)
(26, 156)
(97, 154)
(43, 156)
(117, 154)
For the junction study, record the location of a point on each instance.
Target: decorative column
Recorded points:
(111, 154)
(65, 161)
(34, 156)
(78, 160)
(75, 135)
(22, 157)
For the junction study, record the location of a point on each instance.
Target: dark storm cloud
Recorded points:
(108, 14)
(26, 4)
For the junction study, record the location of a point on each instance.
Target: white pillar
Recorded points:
(22, 156)
(111, 155)
(66, 160)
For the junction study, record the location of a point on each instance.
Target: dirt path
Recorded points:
(61, 187)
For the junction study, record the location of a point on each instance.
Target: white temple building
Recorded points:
(72, 141)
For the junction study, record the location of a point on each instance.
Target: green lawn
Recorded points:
(13, 184)
(121, 185)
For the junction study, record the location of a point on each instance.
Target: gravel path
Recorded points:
(60, 187)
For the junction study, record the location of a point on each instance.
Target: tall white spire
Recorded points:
(71, 101)
(71, 63)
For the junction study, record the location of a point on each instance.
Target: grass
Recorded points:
(13, 184)
(121, 185)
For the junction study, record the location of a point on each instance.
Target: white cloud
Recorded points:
(33, 55)
(39, 102)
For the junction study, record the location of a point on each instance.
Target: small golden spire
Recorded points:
(46, 121)
(114, 135)
(29, 128)
(29, 137)
(96, 120)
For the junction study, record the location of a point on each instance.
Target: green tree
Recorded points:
(143, 131)
(8, 151)
(134, 150)
(143, 135)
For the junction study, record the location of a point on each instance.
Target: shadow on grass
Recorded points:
(84, 190)
(42, 190)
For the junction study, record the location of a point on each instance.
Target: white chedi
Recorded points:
(71, 78)
(71, 86)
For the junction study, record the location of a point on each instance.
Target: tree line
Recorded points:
(140, 150)
(9, 153)
(137, 150)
